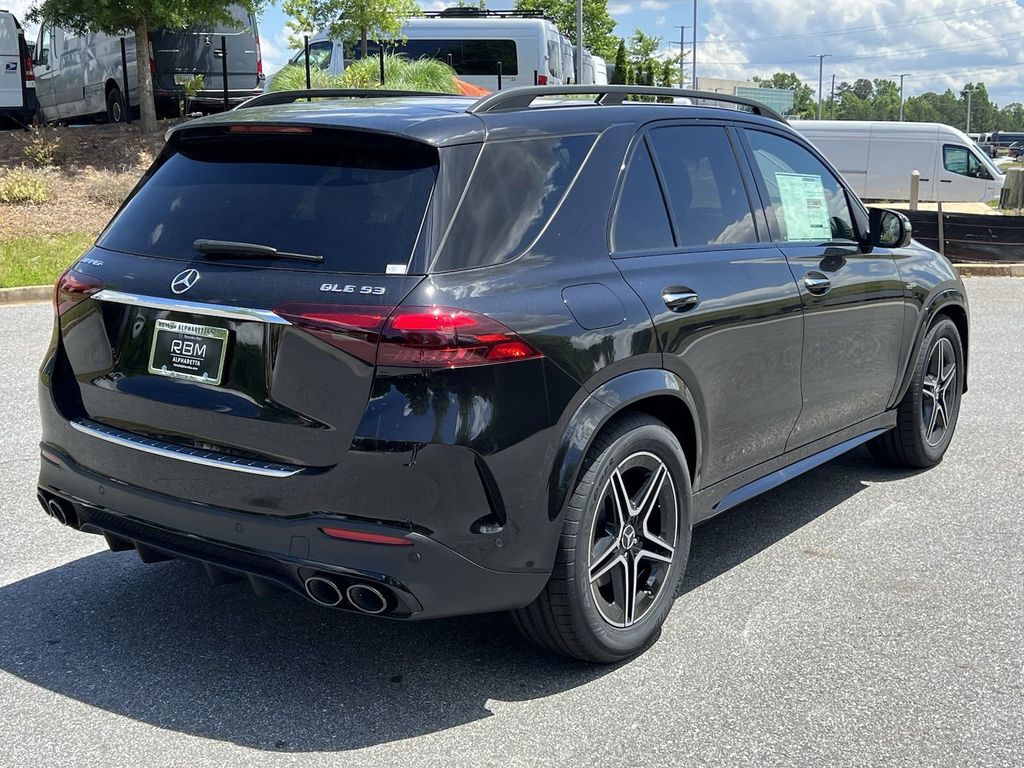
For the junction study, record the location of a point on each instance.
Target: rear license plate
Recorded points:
(187, 351)
(182, 79)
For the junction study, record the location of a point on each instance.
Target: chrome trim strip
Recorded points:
(194, 307)
(181, 453)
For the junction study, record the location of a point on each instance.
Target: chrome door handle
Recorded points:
(680, 299)
(817, 283)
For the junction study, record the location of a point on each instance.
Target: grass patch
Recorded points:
(39, 260)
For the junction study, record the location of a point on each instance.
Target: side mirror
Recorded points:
(889, 229)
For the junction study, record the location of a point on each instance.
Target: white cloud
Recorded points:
(660, 21)
(619, 9)
(653, 5)
(944, 43)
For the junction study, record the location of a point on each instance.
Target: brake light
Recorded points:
(73, 288)
(152, 57)
(367, 537)
(442, 337)
(542, 79)
(259, 53)
(411, 337)
(29, 68)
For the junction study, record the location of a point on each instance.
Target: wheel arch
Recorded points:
(109, 86)
(656, 392)
(948, 302)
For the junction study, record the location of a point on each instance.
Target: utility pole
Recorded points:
(832, 99)
(821, 67)
(968, 92)
(579, 41)
(682, 64)
(901, 94)
(693, 73)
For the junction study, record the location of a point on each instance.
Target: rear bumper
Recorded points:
(425, 579)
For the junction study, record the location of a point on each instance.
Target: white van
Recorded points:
(17, 81)
(473, 42)
(600, 71)
(80, 76)
(877, 158)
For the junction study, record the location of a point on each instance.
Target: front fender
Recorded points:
(945, 295)
(584, 423)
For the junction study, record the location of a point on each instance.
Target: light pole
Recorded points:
(968, 91)
(832, 99)
(693, 72)
(579, 41)
(901, 94)
(821, 65)
(682, 42)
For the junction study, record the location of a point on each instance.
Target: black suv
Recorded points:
(417, 355)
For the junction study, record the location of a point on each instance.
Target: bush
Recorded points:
(401, 74)
(42, 149)
(24, 185)
(293, 78)
(108, 187)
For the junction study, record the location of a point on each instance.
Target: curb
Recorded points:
(990, 270)
(30, 293)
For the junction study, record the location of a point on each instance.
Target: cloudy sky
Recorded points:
(940, 43)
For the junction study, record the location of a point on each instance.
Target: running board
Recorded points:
(787, 473)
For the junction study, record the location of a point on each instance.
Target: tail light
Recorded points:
(259, 53)
(411, 337)
(29, 68)
(152, 56)
(542, 79)
(73, 288)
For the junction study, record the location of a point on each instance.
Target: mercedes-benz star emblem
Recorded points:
(184, 280)
(628, 537)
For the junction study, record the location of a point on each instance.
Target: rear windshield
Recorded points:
(357, 201)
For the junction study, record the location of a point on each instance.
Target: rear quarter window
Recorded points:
(358, 202)
(515, 189)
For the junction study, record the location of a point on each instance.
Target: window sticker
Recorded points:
(804, 206)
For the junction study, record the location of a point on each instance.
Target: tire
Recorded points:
(115, 106)
(916, 441)
(590, 619)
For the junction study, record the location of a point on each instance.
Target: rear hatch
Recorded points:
(174, 332)
(11, 95)
(197, 50)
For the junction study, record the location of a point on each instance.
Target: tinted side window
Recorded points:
(467, 57)
(513, 193)
(807, 202)
(641, 220)
(704, 186)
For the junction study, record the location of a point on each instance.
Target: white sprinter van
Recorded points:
(473, 42)
(877, 159)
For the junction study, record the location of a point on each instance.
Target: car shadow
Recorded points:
(156, 644)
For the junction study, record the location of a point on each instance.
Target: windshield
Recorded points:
(358, 203)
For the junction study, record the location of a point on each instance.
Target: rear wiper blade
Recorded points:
(231, 249)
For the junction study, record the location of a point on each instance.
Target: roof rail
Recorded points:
(522, 98)
(472, 12)
(289, 97)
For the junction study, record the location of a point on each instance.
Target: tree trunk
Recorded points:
(362, 41)
(147, 107)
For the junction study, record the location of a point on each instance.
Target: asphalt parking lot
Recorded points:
(857, 616)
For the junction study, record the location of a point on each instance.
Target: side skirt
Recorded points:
(744, 486)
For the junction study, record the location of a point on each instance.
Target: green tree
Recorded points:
(1011, 117)
(984, 114)
(642, 47)
(621, 64)
(885, 104)
(138, 17)
(598, 24)
(804, 105)
(669, 72)
(351, 20)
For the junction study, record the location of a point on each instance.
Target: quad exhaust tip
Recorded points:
(323, 591)
(367, 599)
